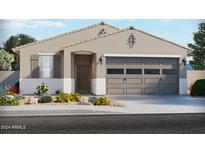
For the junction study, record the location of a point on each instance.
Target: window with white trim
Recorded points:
(46, 66)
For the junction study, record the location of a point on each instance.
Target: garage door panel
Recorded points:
(113, 85)
(168, 80)
(139, 81)
(168, 90)
(115, 91)
(114, 61)
(133, 61)
(169, 66)
(134, 90)
(151, 90)
(150, 80)
(151, 61)
(115, 80)
(168, 61)
(135, 85)
(142, 75)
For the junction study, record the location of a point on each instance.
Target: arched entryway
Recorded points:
(83, 71)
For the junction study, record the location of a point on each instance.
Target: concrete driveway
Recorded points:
(161, 104)
(132, 105)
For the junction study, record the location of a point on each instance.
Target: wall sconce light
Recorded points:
(184, 61)
(100, 60)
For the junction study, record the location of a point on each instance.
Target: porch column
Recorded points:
(99, 83)
(69, 82)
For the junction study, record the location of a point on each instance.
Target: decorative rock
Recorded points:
(10, 96)
(84, 101)
(31, 100)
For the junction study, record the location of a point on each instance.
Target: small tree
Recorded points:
(6, 60)
(15, 41)
(198, 47)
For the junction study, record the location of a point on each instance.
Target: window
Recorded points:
(115, 71)
(169, 71)
(151, 71)
(46, 66)
(133, 71)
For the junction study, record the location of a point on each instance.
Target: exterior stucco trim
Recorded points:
(98, 86)
(28, 86)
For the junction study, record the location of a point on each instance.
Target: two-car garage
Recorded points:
(142, 75)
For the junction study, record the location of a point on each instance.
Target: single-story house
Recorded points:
(102, 59)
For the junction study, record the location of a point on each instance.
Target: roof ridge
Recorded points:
(94, 38)
(60, 35)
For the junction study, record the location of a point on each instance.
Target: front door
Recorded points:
(83, 79)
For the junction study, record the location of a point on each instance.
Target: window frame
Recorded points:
(43, 66)
(115, 73)
(137, 69)
(175, 73)
(151, 73)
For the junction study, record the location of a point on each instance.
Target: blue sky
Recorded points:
(178, 31)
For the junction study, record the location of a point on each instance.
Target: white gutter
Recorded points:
(142, 55)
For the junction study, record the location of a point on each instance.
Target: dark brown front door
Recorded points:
(83, 78)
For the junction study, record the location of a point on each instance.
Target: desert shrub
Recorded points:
(74, 97)
(8, 101)
(46, 99)
(67, 98)
(198, 88)
(63, 97)
(100, 101)
(42, 90)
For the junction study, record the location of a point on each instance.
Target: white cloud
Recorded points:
(15, 24)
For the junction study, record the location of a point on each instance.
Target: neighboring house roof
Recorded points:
(61, 35)
(122, 30)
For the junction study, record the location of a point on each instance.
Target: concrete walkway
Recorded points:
(133, 105)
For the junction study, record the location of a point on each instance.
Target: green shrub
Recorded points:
(63, 97)
(42, 90)
(198, 88)
(8, 101)
(100, 101)
(67, 98)
(46, 99)
(74, 97)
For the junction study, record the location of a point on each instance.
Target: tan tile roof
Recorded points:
(90, 39)
(162, 39)
(54, 37)
(122, 30)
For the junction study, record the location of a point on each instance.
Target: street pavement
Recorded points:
(105, 124)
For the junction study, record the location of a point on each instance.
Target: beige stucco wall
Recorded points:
(53, 45)
(117, 44)
(193, 75)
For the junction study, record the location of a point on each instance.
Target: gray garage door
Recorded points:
(136, 76)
